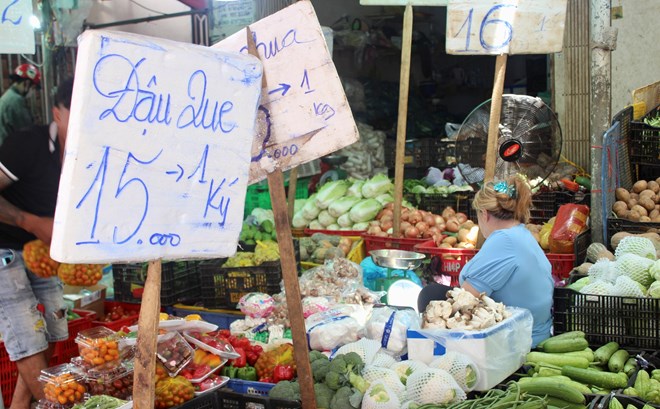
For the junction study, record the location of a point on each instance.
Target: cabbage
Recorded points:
(310, 211)
(361, 226)
(377, 185)
(298, 205)
(326, 219)
(356, 189)
(343, 205)
(655, 270)
(385, 198)
(654, 290)
(419, 189)
(299, 221)
(365, 210)
(330, 192)
(334, 226)
(344, 220)
(262, 215)
(315, 225)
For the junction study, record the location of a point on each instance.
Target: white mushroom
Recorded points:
(463, 300)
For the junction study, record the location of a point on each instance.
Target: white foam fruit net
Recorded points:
(599, 287)
(366, 348)
(432, 385)
(640, 246)
(627, 287)
(406, 368)
(635, 267)
(387, 377)
(603, 269)
(460, 367)
(383, 359)
(380, 396)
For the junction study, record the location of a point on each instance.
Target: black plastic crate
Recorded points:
(580, 245)
(179, 282)
(207, 400)
(223, 287)
(645, 142)
(545, 205)
(624, 400)
(227, 399)
(616, 225)
(632, 322)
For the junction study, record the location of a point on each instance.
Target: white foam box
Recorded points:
(497, 351)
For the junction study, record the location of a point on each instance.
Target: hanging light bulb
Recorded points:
(34, 22)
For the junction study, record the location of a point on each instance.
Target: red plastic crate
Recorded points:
(8, 375)
(65, 350)
(118, 324)
(451, 260)
(354, 233)
(379, 243)
(562, 265)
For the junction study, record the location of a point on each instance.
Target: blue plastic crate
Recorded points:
(222, 319)
(250, 387)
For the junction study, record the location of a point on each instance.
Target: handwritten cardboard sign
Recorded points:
(436, 3)
(305, 105)
(158, 150)
(16, 32)
(505, 26)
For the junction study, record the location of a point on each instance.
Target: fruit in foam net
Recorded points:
(80, 274)
(36, 254)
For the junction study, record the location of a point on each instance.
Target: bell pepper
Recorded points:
(266, 379)
(283, 373)
(247, 373)
(251, 358)
(241, 361)
(229, 370)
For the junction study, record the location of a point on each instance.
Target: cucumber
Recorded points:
(562, 404)
(566, 380)
(557, 359)
(564, 335)
(630, 366)
(552, 387)
(618, 360)
(565, 345)
(545, 371)
(586, 353)
(603, 354)
(615, 404)
(601, 379)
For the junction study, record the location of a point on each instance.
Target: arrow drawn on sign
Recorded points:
(284, 88)
(174, 172)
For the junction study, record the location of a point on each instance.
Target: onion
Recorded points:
(427, 234)
(405, 216)
(461, 217)
(389, 206)
(382, 234)
(441, 227)
(385, 225)
(422, 227)
(415, 217)
(429, 219)
(404, 226)
(376, 230)
(439, 220)
(386, 218)
(448, 212)
(385, 213)
(412, 232)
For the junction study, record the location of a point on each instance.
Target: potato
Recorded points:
(654, 214)
(634, 196)
(647, 192)
(452, 226)
(657, 181)
(631, 203)
(645, 219)
(653, 186)
(647, 203)
(622, 194)
(639, 186)
(451, 240)
(462, 235)
(634, 215)
(620, 208)
(467, 225)
(444, 245)
(639, 209)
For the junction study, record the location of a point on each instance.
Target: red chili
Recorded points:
(241, 361)
(283, 373)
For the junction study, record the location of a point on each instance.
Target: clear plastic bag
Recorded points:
(390, 326)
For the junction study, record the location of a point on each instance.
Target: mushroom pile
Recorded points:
(464, 311)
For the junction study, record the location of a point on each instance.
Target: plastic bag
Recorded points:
(168, 387)
(544, 234)
(330, 329)
(571, 221)
(389, 326)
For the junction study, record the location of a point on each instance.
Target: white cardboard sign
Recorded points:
(305, 105)
(505, 26)
(158, 150)
(436, 3)
(16, 32)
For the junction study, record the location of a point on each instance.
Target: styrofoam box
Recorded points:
(497, 351)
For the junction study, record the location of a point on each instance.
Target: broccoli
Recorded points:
(285, 390)
(335, 380)
(342, 372)
(342, 399)
(354, 362)
(323, 396)
(338, 365)
(316, 355)
(320, 369)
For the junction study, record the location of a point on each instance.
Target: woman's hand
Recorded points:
(41, 227)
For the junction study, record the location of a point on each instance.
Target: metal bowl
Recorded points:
(397, 259)
(334, 160)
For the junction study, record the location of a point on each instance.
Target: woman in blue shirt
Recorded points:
(510, 267)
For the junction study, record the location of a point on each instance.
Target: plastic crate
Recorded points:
(645, 143)
(436, 202)
(353, 233)
(65, 350)
(203, 401)
(379, 243)
(250, 387)
(228, 399)
(223, 287)
(451, 260)
(625, 400)
(221, 318)
(545, 205)
(562, 265)
(134, 309)
(179, 282)
(258, 195)
(618, 225)
(632, 322)
(8, 375)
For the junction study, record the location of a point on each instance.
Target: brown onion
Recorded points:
(461, 217)
(404, 226)
(412, 232)
(429, 219)
(415, 217)
(422, 227)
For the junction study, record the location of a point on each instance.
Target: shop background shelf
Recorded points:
(179, 282)
(133, 309)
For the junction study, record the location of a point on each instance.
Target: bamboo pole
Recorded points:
(495, 112)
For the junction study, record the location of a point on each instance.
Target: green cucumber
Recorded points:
(603, 354)
(552, 387)
(566, 380)
(630, 366)
(585, 182)
(586, 353)
(557, 359)
(562, 404)
(615, 404)
(564, 335)
(618, 360)
(565, 345)
(601, 379)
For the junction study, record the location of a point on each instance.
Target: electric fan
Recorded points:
(528, 141)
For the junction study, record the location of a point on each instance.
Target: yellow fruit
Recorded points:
(163, 316)
(193, 317)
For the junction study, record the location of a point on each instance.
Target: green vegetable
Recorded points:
(615, 404)
(653, 121)
(630, 366)
(552, 387)
(376, 186)
(601, 379)
(547, 371)
(630, 391)
(618, 360)
(330, 192)
(247, 373)
(586, 353)
(566, 380)
(100, 402)
(565, 345)
(557, 359)
(320, 369)
(656, 374)
(323, 396)
(342, 399)
(564, 335)
(289, 390)
(562, 404)
(379, 393)
(642, 383)
(365, 210)
(342, 206)
(602, 355)
(356, 189)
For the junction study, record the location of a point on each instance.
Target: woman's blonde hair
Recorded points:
(506, 200)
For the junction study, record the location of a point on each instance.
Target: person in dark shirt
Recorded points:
(14, 111)
(30, 166)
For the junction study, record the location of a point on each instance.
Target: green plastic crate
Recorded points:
(259, 196)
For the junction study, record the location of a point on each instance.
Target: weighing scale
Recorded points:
(400, 290)
(332, 170)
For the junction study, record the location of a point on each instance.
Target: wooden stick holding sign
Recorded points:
(502, 27)
(148, 174)
(288, 263)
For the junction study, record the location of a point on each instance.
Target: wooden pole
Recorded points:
(495, 112)
(404, 86)
(289, 271)
(293, 181)
(145, 357)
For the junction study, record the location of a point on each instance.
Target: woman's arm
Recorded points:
(42, 227)
(468, 287)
